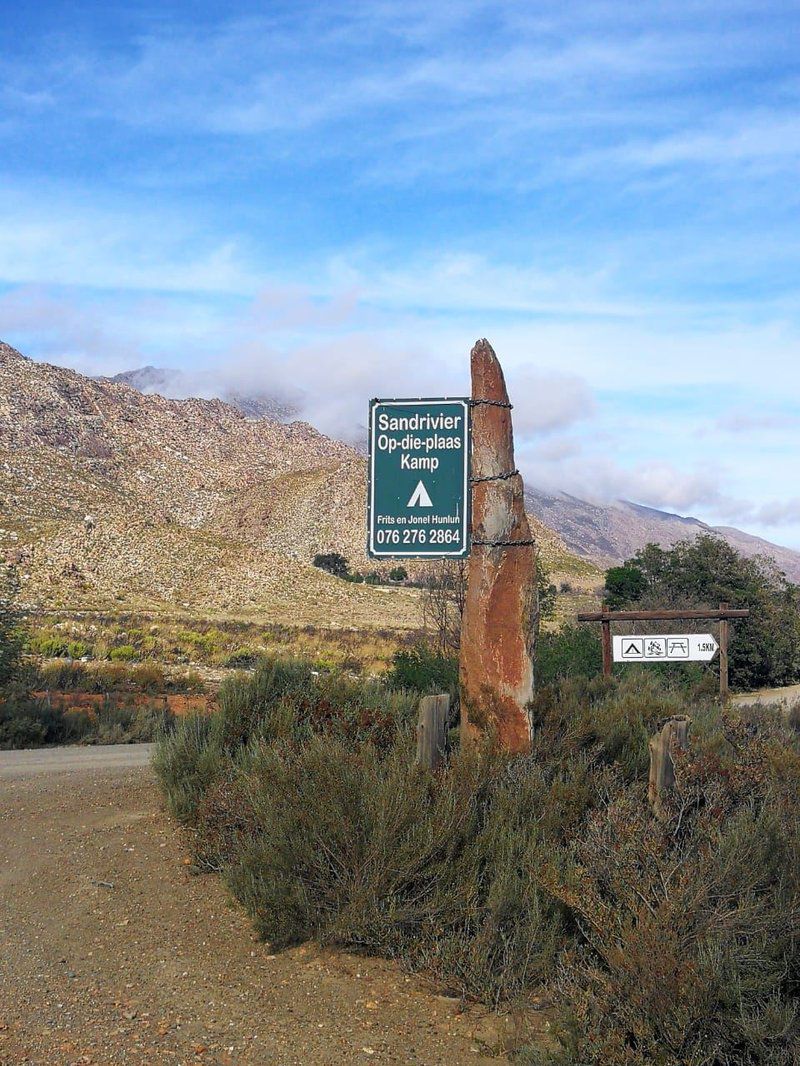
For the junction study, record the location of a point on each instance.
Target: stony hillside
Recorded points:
(610, 533)
(602, 534)
(111, 498)
(115, 499)
(177, 385)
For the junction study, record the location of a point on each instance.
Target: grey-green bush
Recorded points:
(499, 876)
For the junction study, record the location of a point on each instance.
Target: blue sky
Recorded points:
(337, 199)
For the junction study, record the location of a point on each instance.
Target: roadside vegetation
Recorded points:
(707, 571)
(210, 644)
(28, 716)
(518, 879)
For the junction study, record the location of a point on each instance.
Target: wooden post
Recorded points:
(608, 657)
(432, 730)
(724, 638)
(674, 736)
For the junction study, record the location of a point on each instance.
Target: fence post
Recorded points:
(608, 659)
(724, 638)
(673, 736)
(432, 730)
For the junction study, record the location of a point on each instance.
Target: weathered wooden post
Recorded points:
(608, 659)
(724, 639)
(673, 736)
(432, 730)
(501, 605)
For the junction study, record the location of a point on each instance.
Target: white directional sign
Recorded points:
(673, 648)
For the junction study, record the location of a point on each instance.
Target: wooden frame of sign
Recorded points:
(724, 616)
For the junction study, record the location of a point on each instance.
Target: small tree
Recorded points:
(446, 592)
(624, 585)
(333, 562)
(707, 571)
(10, 639)
(443, 604)
(398, 573)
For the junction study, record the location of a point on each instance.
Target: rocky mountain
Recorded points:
(604, 534)
(178, 385)
(610, 533)
(114, 499)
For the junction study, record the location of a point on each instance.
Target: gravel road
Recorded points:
(785, 697)
(115, 951)
(61, 760)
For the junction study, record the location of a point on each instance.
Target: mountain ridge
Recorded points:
(604, 533)
(610, 533)
(117, 500)
(113, 499)
(176, 384)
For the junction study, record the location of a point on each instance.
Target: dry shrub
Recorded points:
(688, 950)
(369, 852)
(670, 943)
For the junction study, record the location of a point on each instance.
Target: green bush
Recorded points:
(58, 648)
(114, 677)
(690, 949)
(30, 723)
(125, 653)
(242, 659)
(333, 562)
(186, 762)
(707, 571)
(422, 669)
(120, 724)
(25, 723)
(148, 677)
(572, 651)
(49, 647)
(360, 850)
(63, 676)
(10, 634)
(676, 942)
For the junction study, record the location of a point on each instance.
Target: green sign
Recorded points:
(419, 452)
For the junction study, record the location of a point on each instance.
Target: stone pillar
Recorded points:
(500, 613)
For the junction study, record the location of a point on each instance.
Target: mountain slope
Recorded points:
(604, 534)
(177, 385)
(611, 533)
(111, 498)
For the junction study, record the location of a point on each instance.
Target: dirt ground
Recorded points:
(113, 951)
(785, 697)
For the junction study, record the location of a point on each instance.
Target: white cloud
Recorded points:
(594, 477)
(48, 236)
(548, 401)
(744, 421)
(777, 512)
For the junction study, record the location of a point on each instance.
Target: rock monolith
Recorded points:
(500, 612)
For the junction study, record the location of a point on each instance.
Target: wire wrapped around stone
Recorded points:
(503, 543)
(490, 403)
(494, 477)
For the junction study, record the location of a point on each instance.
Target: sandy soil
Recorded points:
(114, 951)
(787, 697)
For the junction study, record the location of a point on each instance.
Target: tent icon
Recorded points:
(632, 649)
(420, 497)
